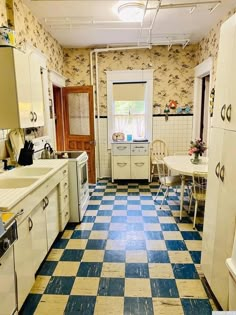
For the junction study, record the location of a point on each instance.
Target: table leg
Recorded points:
(182, 195)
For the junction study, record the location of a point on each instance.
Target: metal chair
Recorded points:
(166, 180)
(199, 186)
(158, 151)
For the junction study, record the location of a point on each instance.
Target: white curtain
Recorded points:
(134, 125)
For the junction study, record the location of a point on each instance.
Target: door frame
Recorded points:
(202, 70)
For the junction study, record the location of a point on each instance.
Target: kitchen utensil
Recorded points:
(46, 152)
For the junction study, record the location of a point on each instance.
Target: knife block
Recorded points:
(26, 157)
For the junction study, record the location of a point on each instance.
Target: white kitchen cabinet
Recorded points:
(24, 261)
(64, 205)
(38, 234)
(225, 92)
(21, 93)
(7, 280)
(130, 161)
(220, 211)
(52, 216)
(36, 89)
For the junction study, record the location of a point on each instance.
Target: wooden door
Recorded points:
(79, 123)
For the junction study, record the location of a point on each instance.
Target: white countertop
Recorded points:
(11, 196)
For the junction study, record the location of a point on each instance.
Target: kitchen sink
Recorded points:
(30, 171)
(10, 183)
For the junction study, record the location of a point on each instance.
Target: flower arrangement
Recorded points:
(197, 147)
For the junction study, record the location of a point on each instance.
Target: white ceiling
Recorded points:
(93, 23)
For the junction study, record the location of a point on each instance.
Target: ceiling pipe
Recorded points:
(187, 4)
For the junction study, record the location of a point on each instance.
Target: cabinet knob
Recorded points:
(222, 173)
(217, 169)
(31, 116)
(228, 112)
(35, 117)
(222, 112)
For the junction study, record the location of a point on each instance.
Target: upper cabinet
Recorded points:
(21, 92)
(224, 115)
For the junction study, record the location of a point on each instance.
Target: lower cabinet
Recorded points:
(52, 216)
(130, 161)
(38, 229)
(35, 237)
(24, 261)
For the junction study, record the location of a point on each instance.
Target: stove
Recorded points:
(69, 154)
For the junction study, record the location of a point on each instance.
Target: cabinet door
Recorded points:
(7, 280)
(23, 88)
(226, 219)
(52, 216)
(211, 204)
(39, 235)
(140, 167)
(121, 167)
(24, 262)
(225, 76)
(36, 90)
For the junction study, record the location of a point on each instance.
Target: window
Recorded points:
(130, 103)
(128, 113)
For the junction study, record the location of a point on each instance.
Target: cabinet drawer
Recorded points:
(140, 149)
(64, 217)
(64, 199)
(64, 184)
(121, 149)
(121, 167)
(140, 167)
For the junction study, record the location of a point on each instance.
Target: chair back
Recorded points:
(159, 150)
(199, 186)
(163, 171)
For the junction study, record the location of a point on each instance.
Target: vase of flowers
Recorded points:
(197, 147)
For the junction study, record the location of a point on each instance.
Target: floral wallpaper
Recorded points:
(173, 71)
(29, 29)
(209, 45)
(3, 13)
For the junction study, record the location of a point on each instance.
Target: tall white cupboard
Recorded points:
(220, 207)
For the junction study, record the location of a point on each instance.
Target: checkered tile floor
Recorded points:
(126, 257)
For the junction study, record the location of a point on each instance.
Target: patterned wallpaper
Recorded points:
(173, 71)
(209, 45)
(3, 13)
(29, 29)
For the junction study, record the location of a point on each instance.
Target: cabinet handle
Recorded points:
(217, 169)
(35, 117)
(121, 164)
(121, 147)
(139, 148)
(222, 173)
(44, 204)
(31, 224)
(47, 201)
(139, 164)
(228, 112)
(32, 116)
(222, 112)
(20, 212)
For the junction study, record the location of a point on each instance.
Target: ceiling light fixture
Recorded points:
(131, 12)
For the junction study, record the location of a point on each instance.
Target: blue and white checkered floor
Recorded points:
(126, 257)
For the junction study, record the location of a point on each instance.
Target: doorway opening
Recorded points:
(201, 113)
(204, 108)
